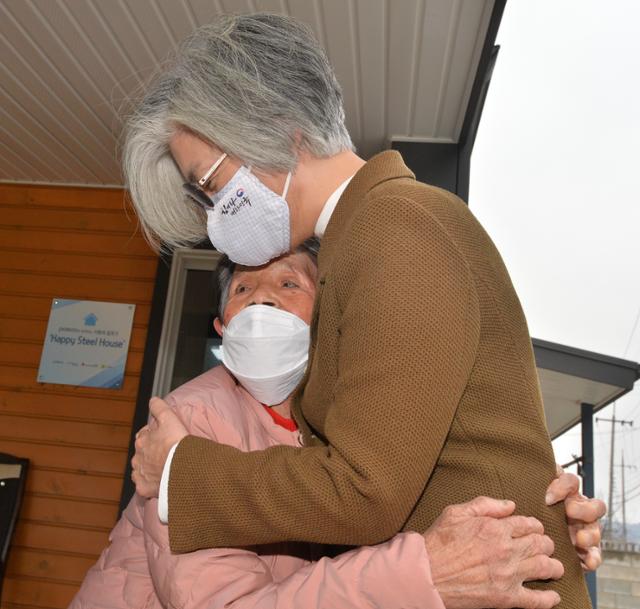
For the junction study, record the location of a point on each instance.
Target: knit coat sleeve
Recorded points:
(408, 334)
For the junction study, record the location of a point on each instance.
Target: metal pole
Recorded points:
(624, 504)
(608, 528)
(609, 525)
(588, 482)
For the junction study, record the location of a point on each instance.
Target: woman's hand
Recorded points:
(153, 443)
(583, 517)
(480, 555)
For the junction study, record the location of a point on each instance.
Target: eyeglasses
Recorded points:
(195, 192)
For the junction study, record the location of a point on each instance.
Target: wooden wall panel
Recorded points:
(74, 457)
(82, 285)
(26, 427)
(40, 564)
(20, 377)
(58, 483)
(112, 267)
(77, 243)
(65, 407)
(68, 241)
(60, 509)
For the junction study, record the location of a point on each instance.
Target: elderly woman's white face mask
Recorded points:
(246, 220)
(265, 339)
(266, 349)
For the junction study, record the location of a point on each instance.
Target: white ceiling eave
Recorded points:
(68, 67)
(571, 377)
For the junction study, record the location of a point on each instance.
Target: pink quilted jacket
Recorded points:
(139, 571)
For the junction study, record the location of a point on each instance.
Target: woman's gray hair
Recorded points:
(258, 86)
(225, 269)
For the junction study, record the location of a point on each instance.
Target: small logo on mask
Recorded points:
(235, 204)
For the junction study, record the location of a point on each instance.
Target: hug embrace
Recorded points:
(376, 436)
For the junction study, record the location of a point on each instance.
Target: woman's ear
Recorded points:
(217, 326)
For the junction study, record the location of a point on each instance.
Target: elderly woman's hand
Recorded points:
(480, 556)
(583, 516)
(153, 443)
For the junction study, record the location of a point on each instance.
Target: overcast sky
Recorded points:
(555, 181)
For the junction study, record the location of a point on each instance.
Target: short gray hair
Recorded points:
(258, 86)
(226, 267)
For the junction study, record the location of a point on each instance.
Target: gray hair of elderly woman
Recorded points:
(258, 86)
(226, 268)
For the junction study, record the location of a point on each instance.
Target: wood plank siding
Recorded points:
(78, 243)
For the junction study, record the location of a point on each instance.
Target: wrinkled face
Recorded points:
(288, 283)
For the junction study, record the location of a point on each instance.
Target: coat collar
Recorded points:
(387, 165)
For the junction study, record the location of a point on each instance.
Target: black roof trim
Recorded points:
(586, 364)
(483, 76)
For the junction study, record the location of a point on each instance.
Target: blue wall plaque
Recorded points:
(86, 343)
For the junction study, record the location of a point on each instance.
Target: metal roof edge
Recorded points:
(483, 75)
(586, 364)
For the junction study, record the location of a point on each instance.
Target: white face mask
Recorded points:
(266, 349)
(248, 221)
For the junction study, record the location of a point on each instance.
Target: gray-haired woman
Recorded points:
(421, 389)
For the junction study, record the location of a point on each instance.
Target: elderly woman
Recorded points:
(138, 570)
(421, 388)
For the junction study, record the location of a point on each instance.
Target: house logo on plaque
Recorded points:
(86, 343)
